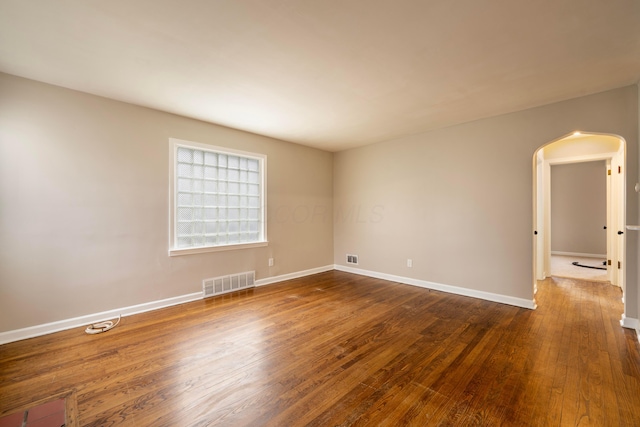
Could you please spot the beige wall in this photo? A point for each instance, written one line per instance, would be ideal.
(458, 201)
(84, 205)
(631, 188)
(579, 207)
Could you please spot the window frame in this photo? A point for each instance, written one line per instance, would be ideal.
(174, 144)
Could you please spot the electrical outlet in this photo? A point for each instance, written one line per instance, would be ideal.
(409, 262)
(270, 262)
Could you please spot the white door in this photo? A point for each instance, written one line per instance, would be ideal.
(618, 232)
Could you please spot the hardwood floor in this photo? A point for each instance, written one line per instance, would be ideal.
(341, 349)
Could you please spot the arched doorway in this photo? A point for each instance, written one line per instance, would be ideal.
(575, 148)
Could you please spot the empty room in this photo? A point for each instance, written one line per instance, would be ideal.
(319, 213)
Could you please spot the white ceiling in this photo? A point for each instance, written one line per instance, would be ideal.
(332, 74)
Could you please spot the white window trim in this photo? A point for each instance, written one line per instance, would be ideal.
(173, 149)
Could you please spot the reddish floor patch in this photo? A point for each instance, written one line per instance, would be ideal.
(49, 414)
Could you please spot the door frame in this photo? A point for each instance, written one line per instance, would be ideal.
(616, 207)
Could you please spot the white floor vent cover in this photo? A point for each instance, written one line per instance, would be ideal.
(224, 284)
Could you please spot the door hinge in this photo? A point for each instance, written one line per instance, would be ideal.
(608, 262)
(619, 265)
(609, 172)
(619, 169)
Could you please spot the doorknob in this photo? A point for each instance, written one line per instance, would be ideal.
(620, 232)
(535, 232)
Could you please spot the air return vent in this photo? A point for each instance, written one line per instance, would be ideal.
(224, 284)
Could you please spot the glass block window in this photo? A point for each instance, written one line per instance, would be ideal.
(218, 197)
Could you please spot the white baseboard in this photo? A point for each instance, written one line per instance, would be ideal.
(631, 323)
(61, 325)
(578, 254)
(48, 328)
(504, 299)
(289, 276)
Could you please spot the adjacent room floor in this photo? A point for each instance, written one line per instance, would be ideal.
(562, 266)
(342, 349)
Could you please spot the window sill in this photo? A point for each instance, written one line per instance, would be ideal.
(192, 251)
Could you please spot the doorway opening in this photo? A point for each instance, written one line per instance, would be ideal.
(580, 151)
(578, 205)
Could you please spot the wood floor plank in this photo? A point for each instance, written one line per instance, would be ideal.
(338, 349)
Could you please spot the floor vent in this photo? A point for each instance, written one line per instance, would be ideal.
(224, 284)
